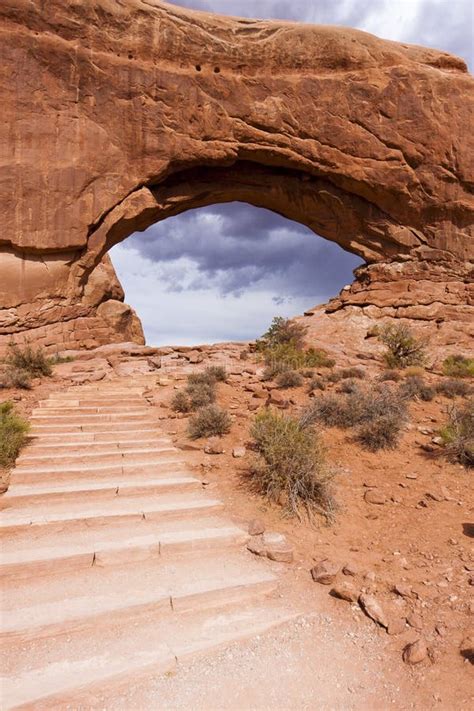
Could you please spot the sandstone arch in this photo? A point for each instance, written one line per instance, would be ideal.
(118, 113)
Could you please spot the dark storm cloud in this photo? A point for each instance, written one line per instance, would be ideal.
(235, 246)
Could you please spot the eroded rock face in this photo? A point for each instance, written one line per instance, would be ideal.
(117, 115)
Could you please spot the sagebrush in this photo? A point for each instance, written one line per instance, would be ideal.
(458, 434)
(453, 387)
(209, 421)
(458, 366)
(291, 468)
(289, 379)
(13, 433)
(414, 387)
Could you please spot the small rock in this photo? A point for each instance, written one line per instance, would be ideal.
(255, 545)
(373, 496)
(373, 609)
(415, 652)
(275, 397)
(277, 547)
(350, 569)
(435, 495)
(239, 452)
(256, 527)
(403, 590)
(397, 626)
(412, 476)
(325, 572)
(415, 621)
(345, 591)
(437, 440)
(214, 446)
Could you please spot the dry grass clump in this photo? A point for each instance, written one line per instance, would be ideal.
(209, 421)
(200, 394)
(348, 386)
(13, 434)
(415, 388)
(317, 384)
(458, 366)
(181, 402)
(389, 375)
(453, 387)
(210, 376)
(289, 379)
(403, 348)
(458, 434)
(377, 411)
(200, 389)
(352, 373)
(22, 364)
(291, 468)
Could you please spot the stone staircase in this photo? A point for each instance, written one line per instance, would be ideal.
(115, 563)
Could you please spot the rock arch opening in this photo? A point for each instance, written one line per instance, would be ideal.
(221, 273)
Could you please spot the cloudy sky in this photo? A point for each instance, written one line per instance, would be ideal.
(222, 272)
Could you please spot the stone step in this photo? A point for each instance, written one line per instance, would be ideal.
(126, 418)
(40, 494)
(106, 456)
(56, 554)
(120, 507)
(168, 466)
(88, 443)
(48, 436)
(47, 412)
(97, 427)
(99, 596)
(75, 675)
(91, 402)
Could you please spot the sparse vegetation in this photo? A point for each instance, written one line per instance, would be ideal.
(200, 394)
(414, 387)
(352, 373)
(57, 359)
(180, 402)
(291, 469)
(458, 366)
(348, 386)
(458, 434)
(453, 387)
(289, 379)
(361, 408)
(13, 434)
(14, 378)
(317, 384)
(403, 347)
(29, 359)
(210, 376)
(282, 331)
(389, 375)
(209, 421)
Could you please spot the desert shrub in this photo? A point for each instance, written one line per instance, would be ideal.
(286, 357)
(453, 387)
(209, 421)
(360, 408)
(29, 359)
(389, 375)
(180, 402)
(458, 434)
(291, 468)
(289, 379)
(353, 373)
(458, 366)
(15, 378)
(403, 348)
(317, 384)
(200, 394)
(57, 359)
(413, 370)
(348, 386)
(415, 387)
(216, 372)
(334, 377)
(317, 358)
(282, 331)
(307, 373)
(381, 433)
(13, 433)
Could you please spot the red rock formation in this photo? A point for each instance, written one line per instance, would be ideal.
(120, 114)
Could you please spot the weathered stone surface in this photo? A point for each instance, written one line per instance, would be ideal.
(118, 115)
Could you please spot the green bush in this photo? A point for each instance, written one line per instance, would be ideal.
(28, 359)
(209, 421)
(458, 434)
(403, 348)
(415, 387)
(291, 468)
(453, 388)
(359, 408)
(458, 366)
(289, 379)
(282, 331)
(13, 434)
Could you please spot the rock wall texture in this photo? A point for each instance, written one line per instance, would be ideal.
(120, 113)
